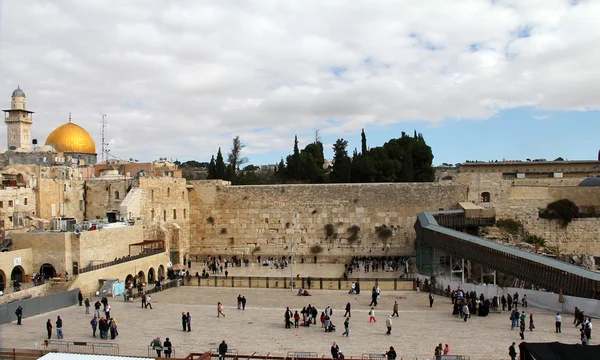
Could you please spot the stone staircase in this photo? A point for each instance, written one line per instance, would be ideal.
(58, 286)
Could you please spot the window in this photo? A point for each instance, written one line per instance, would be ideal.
(1, 204)
(168, 192)
(184, 214)
(116, 195)
(164, 215)
(174, 214)
(152, 195)
(485, 197)
(152, 214)
(25, 201)
(10, 203)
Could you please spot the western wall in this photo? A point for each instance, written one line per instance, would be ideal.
(264, 220)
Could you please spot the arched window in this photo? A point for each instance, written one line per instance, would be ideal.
(116, 195)
(168, 192)
(485, 197)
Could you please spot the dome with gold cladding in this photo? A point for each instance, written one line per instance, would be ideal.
(71, 138)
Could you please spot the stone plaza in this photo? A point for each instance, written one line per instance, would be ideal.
(260, 327)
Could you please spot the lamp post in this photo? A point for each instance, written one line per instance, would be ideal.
(292, 265)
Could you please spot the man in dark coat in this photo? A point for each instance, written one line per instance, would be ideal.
(184, 321)
(49, 328)
(80, 298)
(19, 313)
(243, 302)
(373, 297)
(188, 319)
(335, 349)
(222, 350)
(287, 316)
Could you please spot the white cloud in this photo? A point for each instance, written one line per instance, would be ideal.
(541, 117)
(179, 79)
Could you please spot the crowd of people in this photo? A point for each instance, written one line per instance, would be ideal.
(375, 264)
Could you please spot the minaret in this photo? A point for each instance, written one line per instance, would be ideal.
(18, 122)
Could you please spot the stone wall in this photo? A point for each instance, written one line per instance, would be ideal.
(104, 195)
(105, 245)
(48, 247)
(165, 211)
(35, 291)
(60, 197)
(263, 220)
(7, 263)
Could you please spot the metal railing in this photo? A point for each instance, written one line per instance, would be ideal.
(152, 352)
(120, 261)
(81, 347)
(151, 289)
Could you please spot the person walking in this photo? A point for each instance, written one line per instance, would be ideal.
(395, 309)
(148, 302)
(94, 324)
(558, 323)
(287, 316)
(80, 298)
(49, 328)
(157, 345)
(373, 297)
(391, 353)
(335, 349)
(143, 298)
(531, 325)
(522, 330)
(220, 310)
(348, 307)
(466, 313)
(184, 321)
(372, 315)
(430, 299)
(19, 313)
(239, 302)
(59, 324)
(512, 352)
(346, 327)
(188, 319)
(222, 350)
(167, 347)
(388, 323)
(87, 305)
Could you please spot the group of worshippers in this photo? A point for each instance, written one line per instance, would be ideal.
(374, 264)
(105, 324)
(467, 303)
(586, 326)
(307, 316)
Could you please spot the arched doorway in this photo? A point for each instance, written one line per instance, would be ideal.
(161, 272)
(47, 271)
(151, 277)
(141, 277)
(17, 274)
(485, 197)
(129, 281)
(2, 280)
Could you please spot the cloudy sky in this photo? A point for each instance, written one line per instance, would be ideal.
(481, 79)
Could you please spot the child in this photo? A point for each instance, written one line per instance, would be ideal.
(372, 315)
(220, 310)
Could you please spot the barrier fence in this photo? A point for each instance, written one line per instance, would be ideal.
(38, 305)
(385, 284)
(81, 347)
(152, 352)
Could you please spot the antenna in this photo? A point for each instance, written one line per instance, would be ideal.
(104, 143)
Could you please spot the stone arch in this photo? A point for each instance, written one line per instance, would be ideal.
(47, 271)
(151, 275)
(141, 276)
(17, 273)
(3, 280)
(161, 272)
(486, 197)
(129, 281)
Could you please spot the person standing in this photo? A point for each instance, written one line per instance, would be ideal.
(19, 313)
(466, 313)
(167, 347)
(348, 307)
(239, 302)
(583, 337)
(80, 298)
(522, 330)
(94, 324)
(157, 345)
(558, 323)
(296, 319)
(524, 301)
(143, 301)
(346, 327)
(430, 299)
(438, 351)
(220, 310)
(97, 309)
(372, 315)
(59, 324)
(286, 316)
(222, 350)
(446, 350)
(503, 300)
(388, 323)
(512, 352)
(87, 305)
(184, 321)
(373, 297)
(49, 328)
(391, 353)
(189, 322)
(107, 311)
(335, 349)
(531, 325)
(243, 302)
(395, 309)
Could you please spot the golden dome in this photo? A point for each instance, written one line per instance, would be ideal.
(71, 138)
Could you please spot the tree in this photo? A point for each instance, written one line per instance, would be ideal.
(294, 163)
(340, 172)
(363, 142)
(212, 168)
(219, 166)
(312, 160)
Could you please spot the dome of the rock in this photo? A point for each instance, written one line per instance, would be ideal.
(71, 138)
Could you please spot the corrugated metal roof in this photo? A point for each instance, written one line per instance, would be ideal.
(428, 221)
(69, 356)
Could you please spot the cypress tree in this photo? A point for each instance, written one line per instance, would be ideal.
(220, 166)
(363, 142)
(211, 168)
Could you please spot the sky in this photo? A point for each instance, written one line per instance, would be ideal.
(480, 79)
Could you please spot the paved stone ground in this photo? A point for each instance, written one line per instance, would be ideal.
(260, 327)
